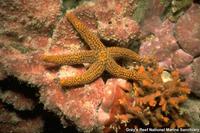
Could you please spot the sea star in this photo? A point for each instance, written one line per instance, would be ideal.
(100, 57)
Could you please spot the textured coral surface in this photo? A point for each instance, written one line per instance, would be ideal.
(11, 121)
(175, 45)
(30, 28)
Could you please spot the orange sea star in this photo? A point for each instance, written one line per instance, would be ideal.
(100, 57)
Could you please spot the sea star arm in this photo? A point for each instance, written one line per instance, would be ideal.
(116, 52)
(118, 71)
(71, 59)
(90, 38)
(93, 72)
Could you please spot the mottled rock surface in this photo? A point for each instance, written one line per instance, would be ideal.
(188, 31)
(181, 59)
(195, 78)
(12, 122)
(175, 45)
(19, 101)
(30, 28)
(192, 107)
(161, 44)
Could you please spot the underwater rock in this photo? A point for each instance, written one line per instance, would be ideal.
(195, 77)
(192, 107)
(18, 100)
(181, 59)
(187, 31)
(11, 121)
(25, 24)
(115, 23)
(175, 8)
(2, 74)
(16, 14)
(27, 31)
(112, 22)
(163, 44)
(18, 94)
(78, 104)
(154, 8)
(112, 92)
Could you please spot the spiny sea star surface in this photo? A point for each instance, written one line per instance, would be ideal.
(100, 57)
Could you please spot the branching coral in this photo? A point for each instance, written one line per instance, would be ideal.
(155, 105)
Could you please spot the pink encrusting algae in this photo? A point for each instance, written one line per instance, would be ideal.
(28, 29)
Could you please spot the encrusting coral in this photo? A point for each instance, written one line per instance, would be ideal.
(150, 105)
(17, 94)
(15, 122)
(102, 58)
(175, 45)
(88, 107)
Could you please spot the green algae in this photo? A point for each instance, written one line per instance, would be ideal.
(21, 48)
(140, 11)
(174, 8)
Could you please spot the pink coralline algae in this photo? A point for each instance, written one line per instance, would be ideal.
(30, 28)
(77, 104)
(19, 101)
(176, 46)
(25, 34)
(112, 22)
(112, 90)
(11, 121)
(187, 31)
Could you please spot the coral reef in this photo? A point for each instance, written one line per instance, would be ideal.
(174, 51)
(114, 23)
(11, 121)
(78, 104)
(17, 100)
(175, 8)
(2, 74)
(189, 40)
(18, 95)
(151, 105)
(192, 107)
(194, 78)
(28, 29)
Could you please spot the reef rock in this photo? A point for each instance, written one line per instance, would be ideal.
(188, 31)
(26, 31)
(30, 28)
(181, 59)
(11, 121)
(17, 94)
(195, 78)
(192, 108)
(112, 22)
(162, 44)
(175, 51)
